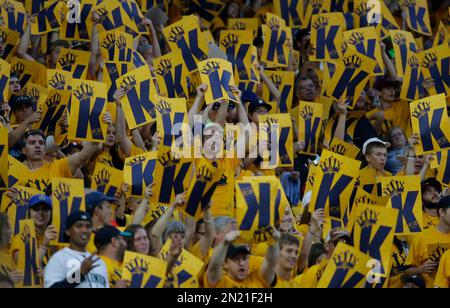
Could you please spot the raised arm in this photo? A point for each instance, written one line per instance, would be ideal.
(155, 42)
(124, 142)
(22, 49)
(16, 135)
(195, 109)
(313, 236)
(214, 273)
(144, 207)
(270, 259)
(94, 48)
(390, 68)
(80, 158)
(269, 83)
(210, 232)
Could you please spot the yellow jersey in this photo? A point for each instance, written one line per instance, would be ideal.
(254, 280)
(312, 275)
(223, 198)
(443, 274)
(7, 264)
(41, 178)
(114, 269)
(418, 253)
(368, 180)
(429, 221)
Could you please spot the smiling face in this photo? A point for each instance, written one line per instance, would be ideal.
(80, 233)
(41, 215)
(288, 256)
(141, 242)
(34, 148)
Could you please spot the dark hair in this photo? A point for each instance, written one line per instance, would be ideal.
(6, 279)
(442, 208)
(288, 239)
(4, 222)
(130, 240)
(373, 145)
(56, 44)
(33, 132)
(316, 251)
(13, 75)
(198, 224)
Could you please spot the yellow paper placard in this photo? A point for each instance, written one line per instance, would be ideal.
(74, 61)
(327, 36)
(52, 110)
(347, 268)
(249, 24)
(202, 188)
(17, 208)
(366, 42)
(429, 120)
(106, 179)
(143, 272)
(185, 272)
(18, 174)
(87, 108)
(405, 195)
(5, 68)
(111, 72)
(138, 172)
(237, 44)
(291, 11)
(138, 103)
(275, 52)
(38, 93)
(284, 81)
(217, 74)
(3, 158)
(402, 41)
(48, 19)
(59, 79)
(341, 147)
(171, 75)
(413, 78)
(13, 15)
(351, 76)
(111, 15)
(258, 207)
(79, 31)
(435, 65)
(282, 124)
(333, 184)
(23, 69)
(418, 16)
(309, 125)
(444, 168)
(442, 36)
(67, 198)
(373, 233)
(388, 22)
(11, 41)
(184, 37)
(28, 260)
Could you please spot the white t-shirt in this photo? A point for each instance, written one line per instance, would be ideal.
(66, 263)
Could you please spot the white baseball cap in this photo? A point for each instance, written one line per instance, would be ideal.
(374, 140)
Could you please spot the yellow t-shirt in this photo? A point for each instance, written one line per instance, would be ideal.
(312, 275)
(443, 273)
(429, 221)
(418, 253)
(91, 246)
(114, 269)
(254, 280)
(7, 264)
(223, 198)
(41, 178)
(288, 284)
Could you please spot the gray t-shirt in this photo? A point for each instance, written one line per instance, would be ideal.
(66, 263)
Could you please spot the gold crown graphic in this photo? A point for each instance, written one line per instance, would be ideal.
(394, 188)
(345, 260)
(331, 165)
(421, 110)
(367, 218)
(84, 92)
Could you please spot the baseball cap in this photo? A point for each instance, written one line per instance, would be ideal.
(415, 279)
(105, 234)
(337, 234)
(235, 250)
(95, 198)
(444, 203)
(254, 100)
(71, 147)
(40, 199)
(433, 183)
(76, 217)
(374, 140)
(20, 100)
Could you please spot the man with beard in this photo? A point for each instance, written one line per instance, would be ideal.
(431, 189)
(74, 266)
(111, 245)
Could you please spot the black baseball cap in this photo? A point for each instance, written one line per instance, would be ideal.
(235, 250)
(415, 279)
(254, 101)
(76, 217)
(106, 234)
(17, 101)
(433, 183)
